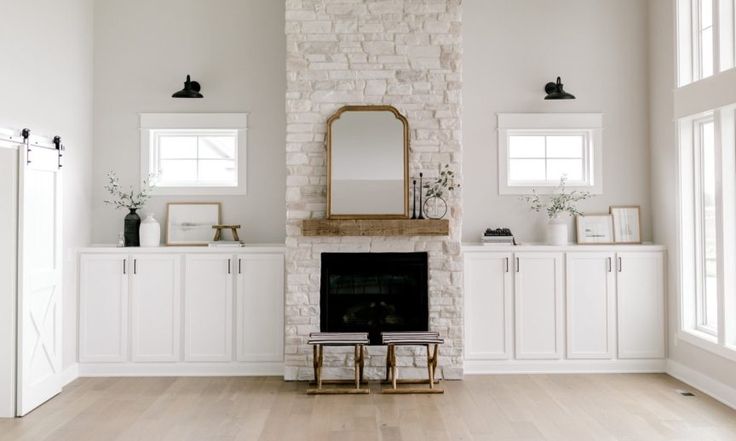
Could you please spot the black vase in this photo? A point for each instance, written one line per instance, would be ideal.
(132, 225)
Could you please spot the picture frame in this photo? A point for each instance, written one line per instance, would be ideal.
(190, 223)
(595, 229)
(626, 223)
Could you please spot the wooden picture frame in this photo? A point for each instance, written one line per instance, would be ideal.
(190, 223)
(626, 223)
(594, 229)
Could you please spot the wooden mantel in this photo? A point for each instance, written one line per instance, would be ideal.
(376, 227)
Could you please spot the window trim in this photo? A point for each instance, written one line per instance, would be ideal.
(699, 224)
(149, 122)
(723, 343)
(550, 124)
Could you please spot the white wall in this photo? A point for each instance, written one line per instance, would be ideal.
(47, 86)
(511, 50)
(664, 183)
(236, 50)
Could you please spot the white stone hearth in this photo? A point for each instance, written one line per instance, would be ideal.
(405, 53)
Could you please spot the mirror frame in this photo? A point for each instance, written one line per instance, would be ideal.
(367, 108)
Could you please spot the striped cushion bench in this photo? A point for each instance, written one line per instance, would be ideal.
(427, 338)
(321, 339)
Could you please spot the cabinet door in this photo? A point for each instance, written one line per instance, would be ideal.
(640, 292)
(488, 306)
(208, 307)
(538, 305)
(591, 305)
(260, 308)
(103, 308)
(155, 307)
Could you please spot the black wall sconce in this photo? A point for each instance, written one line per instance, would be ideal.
(191, 90)
(555, 91)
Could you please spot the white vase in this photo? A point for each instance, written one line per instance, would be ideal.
(556, 232)
(150, 232)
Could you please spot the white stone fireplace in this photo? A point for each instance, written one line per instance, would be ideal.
(404, 53)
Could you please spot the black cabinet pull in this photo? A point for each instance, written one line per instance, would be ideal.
(135, 266)
(518, 265)
(125, 270)
(507, 264)
(228, 266)
(610, 266)
(620, 265)
(240, 266)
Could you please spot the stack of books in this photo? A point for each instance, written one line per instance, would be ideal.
(499, 236)
(225, 244)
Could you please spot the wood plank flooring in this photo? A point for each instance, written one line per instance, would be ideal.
(503, 408)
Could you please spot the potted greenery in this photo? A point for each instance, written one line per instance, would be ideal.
(131, 200)
(555, 205)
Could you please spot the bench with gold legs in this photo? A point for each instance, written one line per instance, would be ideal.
(319, 340)
(430, 340)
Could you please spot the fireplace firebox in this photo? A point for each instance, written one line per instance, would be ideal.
(374, 293)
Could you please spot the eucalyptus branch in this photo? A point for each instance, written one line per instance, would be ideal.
(558, 203)
(127, 198)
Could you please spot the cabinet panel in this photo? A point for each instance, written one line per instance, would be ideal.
(488, 306)
(591, 307)
(640, 286)
(103, 308)
(538, 305)
(155, 307)
(208, 308)
(260, 308)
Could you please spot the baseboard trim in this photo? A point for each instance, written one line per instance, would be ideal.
(180, 369)
(720, 391)
(484, 367)
(69, 374)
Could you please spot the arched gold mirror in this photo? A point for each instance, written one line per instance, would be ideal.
(367, 163)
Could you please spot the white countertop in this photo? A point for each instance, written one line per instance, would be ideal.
(474, 247)
(248, 248)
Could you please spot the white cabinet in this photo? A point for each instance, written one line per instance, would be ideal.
(208, 307)
(573, 308)
(103, 308)
(591, 305)
(155, 307)
(260, 308)
(488, 312)
(640, 282)
(538, 295)
(172, 311)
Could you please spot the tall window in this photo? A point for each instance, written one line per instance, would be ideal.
(706, 233)
(704, 36)
(706, 42)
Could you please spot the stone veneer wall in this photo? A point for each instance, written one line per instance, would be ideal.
(406, 53)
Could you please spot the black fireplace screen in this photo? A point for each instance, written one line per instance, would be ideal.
(374, 292)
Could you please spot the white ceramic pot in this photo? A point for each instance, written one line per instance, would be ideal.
(556, 232)
(150, 232)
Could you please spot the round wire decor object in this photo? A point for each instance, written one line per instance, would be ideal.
(435, 207)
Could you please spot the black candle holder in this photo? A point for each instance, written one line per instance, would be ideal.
(414, 201)
(421, 179)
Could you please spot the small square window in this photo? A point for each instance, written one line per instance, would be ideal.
(194, 158)
(538, 150)
(180, 157)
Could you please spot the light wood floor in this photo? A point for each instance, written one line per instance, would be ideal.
(518, 407)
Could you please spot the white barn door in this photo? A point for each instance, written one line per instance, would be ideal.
(39, 290)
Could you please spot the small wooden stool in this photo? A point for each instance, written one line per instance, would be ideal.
(218, 231)
(321, 339)
(427, 339)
